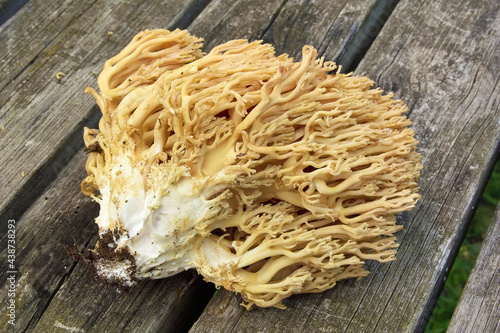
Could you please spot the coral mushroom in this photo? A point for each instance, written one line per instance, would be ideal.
(269, 177)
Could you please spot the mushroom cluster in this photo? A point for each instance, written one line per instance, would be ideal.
(269, 177)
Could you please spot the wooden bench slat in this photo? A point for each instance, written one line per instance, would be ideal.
(241, 19)
(329, 26)
(25, 43)
(24, 37)
(479, 304)
(38, 112)
(41, 261)
(431, 55)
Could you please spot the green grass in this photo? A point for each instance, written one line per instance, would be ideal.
(467, 255)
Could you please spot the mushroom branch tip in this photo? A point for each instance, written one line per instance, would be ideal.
(268, 176)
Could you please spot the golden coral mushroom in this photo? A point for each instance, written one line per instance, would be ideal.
(269, 177)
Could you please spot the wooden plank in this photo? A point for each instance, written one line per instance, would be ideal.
(35, 106)
(40, 259)
(289, 25)
(477, 309)
(451, 84)
(22, 40)
(366, 34)
(222, 21)
(23, 37)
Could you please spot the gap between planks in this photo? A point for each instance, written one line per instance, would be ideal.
(9, 8)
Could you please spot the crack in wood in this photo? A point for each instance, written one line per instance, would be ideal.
(189, 14)
(273, 19)
(43, 50)
(34, 320)
(366, 34)
(9, 8)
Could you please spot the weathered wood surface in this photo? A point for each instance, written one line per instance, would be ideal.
(54, 293)
(478, 308)
(442, 58)
(288, 25)
(450, 82)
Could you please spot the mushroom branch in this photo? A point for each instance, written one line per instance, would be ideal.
(270, 177)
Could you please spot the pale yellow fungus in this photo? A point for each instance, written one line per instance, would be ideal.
(269, 177)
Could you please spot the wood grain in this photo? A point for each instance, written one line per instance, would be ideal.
(222, 21)
(477, 309)
(41, 261)
(450, 82)
(288, 24)
(451, 85)
(24, 38)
